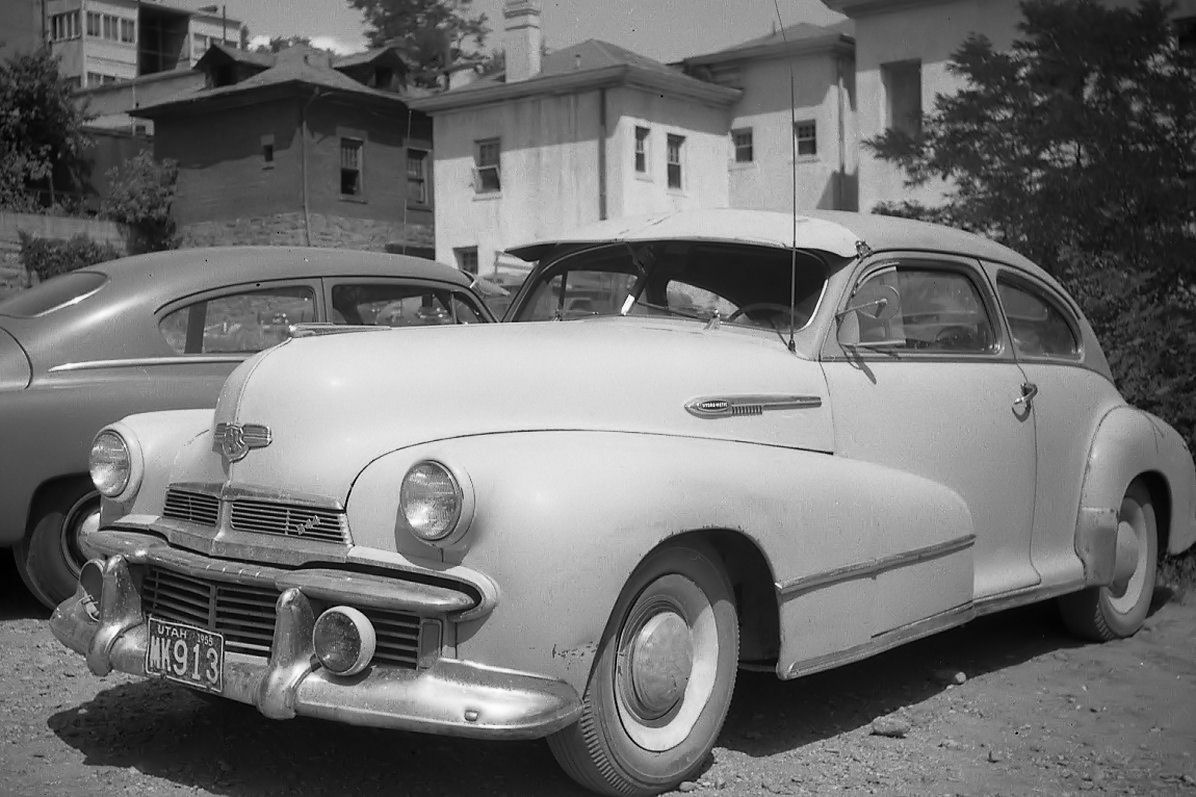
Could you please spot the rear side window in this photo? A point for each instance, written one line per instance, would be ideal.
(240, 322)
(1038, 326)
(53, 294)
(393, 305)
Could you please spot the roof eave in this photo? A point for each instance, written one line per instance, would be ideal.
(203, 101)
(571, 82)
(835, 43)
(858, 8)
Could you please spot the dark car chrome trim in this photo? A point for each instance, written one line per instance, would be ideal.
(734, 406)
(796, 586)
(139, 362)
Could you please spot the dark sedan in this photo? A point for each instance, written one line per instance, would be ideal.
(157, 332)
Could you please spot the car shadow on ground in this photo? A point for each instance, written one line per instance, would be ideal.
(16, 603)
(222, 747)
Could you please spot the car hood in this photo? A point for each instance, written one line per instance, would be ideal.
(335, 403)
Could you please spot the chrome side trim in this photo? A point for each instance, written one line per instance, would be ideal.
(882, 642)
(731, 406)
(797, 586)
(141, 362)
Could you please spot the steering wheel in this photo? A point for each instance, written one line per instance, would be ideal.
(747, 309)
(957, 338)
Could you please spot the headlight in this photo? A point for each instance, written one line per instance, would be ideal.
(431, 501)
(110, 464)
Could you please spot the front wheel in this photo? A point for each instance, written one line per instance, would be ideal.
(1118, 610)
(49, 557)
(663, 679)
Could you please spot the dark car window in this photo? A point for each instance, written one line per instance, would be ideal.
(938, 311)
(1038, 327)
(61, 291)
(239, 322)
(396, 305)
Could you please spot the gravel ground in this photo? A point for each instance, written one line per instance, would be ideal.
(1007, 705)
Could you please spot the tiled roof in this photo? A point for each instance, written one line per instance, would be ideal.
(795, 33)
(596, 54)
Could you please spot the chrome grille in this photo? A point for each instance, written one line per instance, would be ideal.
(288, 520)
(192, 506)
(245, 615)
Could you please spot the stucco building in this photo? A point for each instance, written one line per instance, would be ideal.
(902, 48)
(299, 148)
(784, 156)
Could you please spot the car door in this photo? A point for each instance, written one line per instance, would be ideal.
(935, 391)
(1069, 401)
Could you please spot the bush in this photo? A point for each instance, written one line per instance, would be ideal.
(48, 257)
(140, 197)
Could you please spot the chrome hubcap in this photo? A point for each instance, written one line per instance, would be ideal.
(661, 659)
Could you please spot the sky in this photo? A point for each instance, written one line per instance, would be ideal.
(666, 30)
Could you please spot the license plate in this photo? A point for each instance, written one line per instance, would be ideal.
(184, 653)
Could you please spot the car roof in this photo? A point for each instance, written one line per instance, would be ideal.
(841, 233)
(200, 269)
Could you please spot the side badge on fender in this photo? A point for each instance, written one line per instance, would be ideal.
(732, 406)
(234, 440)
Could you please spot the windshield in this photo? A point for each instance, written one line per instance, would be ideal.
(742, 284)
(55, 293)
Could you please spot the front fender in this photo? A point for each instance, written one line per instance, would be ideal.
(1129, 443)
(562, 519)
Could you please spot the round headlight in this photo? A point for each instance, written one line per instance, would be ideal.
(430, 500)
(110, 464)
(344, 640)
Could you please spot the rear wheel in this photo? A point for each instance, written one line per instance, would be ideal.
(663, 679)
(49, 557)
(1119, 609)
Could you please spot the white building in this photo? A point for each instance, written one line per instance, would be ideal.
(589, 132)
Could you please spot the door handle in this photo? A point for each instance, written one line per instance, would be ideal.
(1029, 391)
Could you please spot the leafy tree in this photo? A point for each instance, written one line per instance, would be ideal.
(434, 33)
(49, 257)
(140, 195)
(42, 144)
(279, 43)
(1077, 147)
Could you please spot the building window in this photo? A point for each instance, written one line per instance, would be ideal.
(417, 176)
(487, 177)
(903, 95)
(467, 259)
(267, 151)
(351, 166)
(128, 31)
(1185, 34)
(806, 135)
(742, 141)
(199, 45)
(673, 157)
(93, 23)
(641, 150)
(65, 26)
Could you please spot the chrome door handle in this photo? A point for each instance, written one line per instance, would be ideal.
(1029, 391)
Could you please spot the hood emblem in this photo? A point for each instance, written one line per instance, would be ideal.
(734, 406)
(234, 440)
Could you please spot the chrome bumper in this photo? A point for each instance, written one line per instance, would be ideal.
(448, 697)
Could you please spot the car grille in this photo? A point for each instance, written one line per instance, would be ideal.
(259, 516)
(245, 615)
(188, 505)
(288, 520)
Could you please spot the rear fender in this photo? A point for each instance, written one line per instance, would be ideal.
(1130, 443)
(561, 519)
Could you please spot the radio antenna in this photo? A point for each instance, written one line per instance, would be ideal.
(793, 174)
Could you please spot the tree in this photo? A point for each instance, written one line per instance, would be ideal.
(433, 33)
(1077, 147)
(42, 143)
(139, 196)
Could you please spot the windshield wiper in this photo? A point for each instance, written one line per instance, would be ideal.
(671, 310)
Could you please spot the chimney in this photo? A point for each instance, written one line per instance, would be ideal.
(522, 39)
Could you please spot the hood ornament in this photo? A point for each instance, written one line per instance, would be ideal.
(234, 440)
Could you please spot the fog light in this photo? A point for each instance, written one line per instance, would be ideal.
(91, 580)
(344, 640)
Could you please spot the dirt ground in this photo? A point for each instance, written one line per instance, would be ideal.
(1037, 713)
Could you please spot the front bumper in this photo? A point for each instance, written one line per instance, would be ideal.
(446, 697)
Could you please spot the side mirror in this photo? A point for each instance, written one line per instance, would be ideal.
(873, 304)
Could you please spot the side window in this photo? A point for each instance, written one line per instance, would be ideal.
(238, 323)
(937, 310)
(400, 306)
(1039, 328)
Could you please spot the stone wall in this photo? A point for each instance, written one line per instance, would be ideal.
(59, 228)
(287, 229)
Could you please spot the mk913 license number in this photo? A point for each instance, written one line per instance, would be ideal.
(184, 653)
